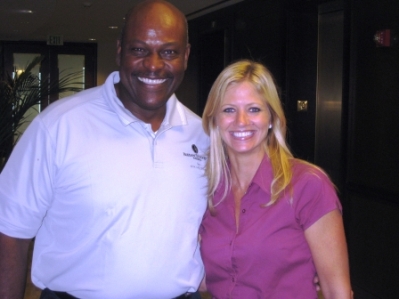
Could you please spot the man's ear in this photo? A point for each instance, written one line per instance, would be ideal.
(118, 52)
(186, 55)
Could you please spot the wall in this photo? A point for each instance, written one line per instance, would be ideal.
(106, 58)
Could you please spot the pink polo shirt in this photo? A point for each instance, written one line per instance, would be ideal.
(269, 256)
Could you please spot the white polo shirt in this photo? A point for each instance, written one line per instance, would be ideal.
(114, 207)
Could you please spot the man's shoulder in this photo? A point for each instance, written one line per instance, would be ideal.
(194, 125)
(191, 115)
(72, 103)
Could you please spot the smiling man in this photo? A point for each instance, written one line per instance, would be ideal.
(152, 57)
(110, 182)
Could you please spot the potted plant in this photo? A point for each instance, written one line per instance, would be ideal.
(21, 92)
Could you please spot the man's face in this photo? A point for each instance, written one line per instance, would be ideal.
(152, 60)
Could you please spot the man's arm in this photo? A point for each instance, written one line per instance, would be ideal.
(13, 266)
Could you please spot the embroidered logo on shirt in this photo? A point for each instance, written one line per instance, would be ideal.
(195, 156)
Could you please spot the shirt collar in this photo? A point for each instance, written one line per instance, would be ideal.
(264, 175)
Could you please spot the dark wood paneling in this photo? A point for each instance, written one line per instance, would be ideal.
(374, 246)
(252, 29)
(259, 34)
(301, 66)
(374, 149)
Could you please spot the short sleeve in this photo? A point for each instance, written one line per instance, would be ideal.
(314, 196)
(25, 183)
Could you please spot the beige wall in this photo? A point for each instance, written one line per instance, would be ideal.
(106, 53)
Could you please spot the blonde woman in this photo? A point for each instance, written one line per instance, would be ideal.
(273, 221)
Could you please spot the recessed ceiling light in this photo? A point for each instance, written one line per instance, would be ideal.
(113, 27)
(92, 39)
(87, 3)
(25, 11)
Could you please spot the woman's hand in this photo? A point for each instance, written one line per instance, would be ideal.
(202, 287)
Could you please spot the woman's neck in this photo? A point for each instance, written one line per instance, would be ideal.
(243, 169)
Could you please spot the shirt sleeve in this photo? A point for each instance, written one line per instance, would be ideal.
(314, 196)
(26, 184)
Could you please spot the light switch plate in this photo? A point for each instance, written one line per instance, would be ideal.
(302, 106)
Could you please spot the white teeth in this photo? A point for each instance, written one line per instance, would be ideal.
(242, 134)
(151, 81)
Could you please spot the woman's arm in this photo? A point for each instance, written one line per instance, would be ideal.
(326, 239)
(202, 286)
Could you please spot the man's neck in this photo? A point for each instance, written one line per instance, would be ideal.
(153, 117)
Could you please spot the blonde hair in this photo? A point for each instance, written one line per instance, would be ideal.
(275, 146)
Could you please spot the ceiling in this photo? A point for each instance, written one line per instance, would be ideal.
(80, 20)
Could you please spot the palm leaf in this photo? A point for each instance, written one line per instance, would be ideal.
(24, 91)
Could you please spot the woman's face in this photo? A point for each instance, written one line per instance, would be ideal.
(243, 120)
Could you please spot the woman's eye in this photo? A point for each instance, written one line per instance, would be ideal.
(254, 109)
(228, 110)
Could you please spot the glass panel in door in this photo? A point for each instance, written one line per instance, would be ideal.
(72, 64)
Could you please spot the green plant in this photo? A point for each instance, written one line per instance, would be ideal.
(21, 92)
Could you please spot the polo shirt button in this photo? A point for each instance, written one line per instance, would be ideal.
(244, 210)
